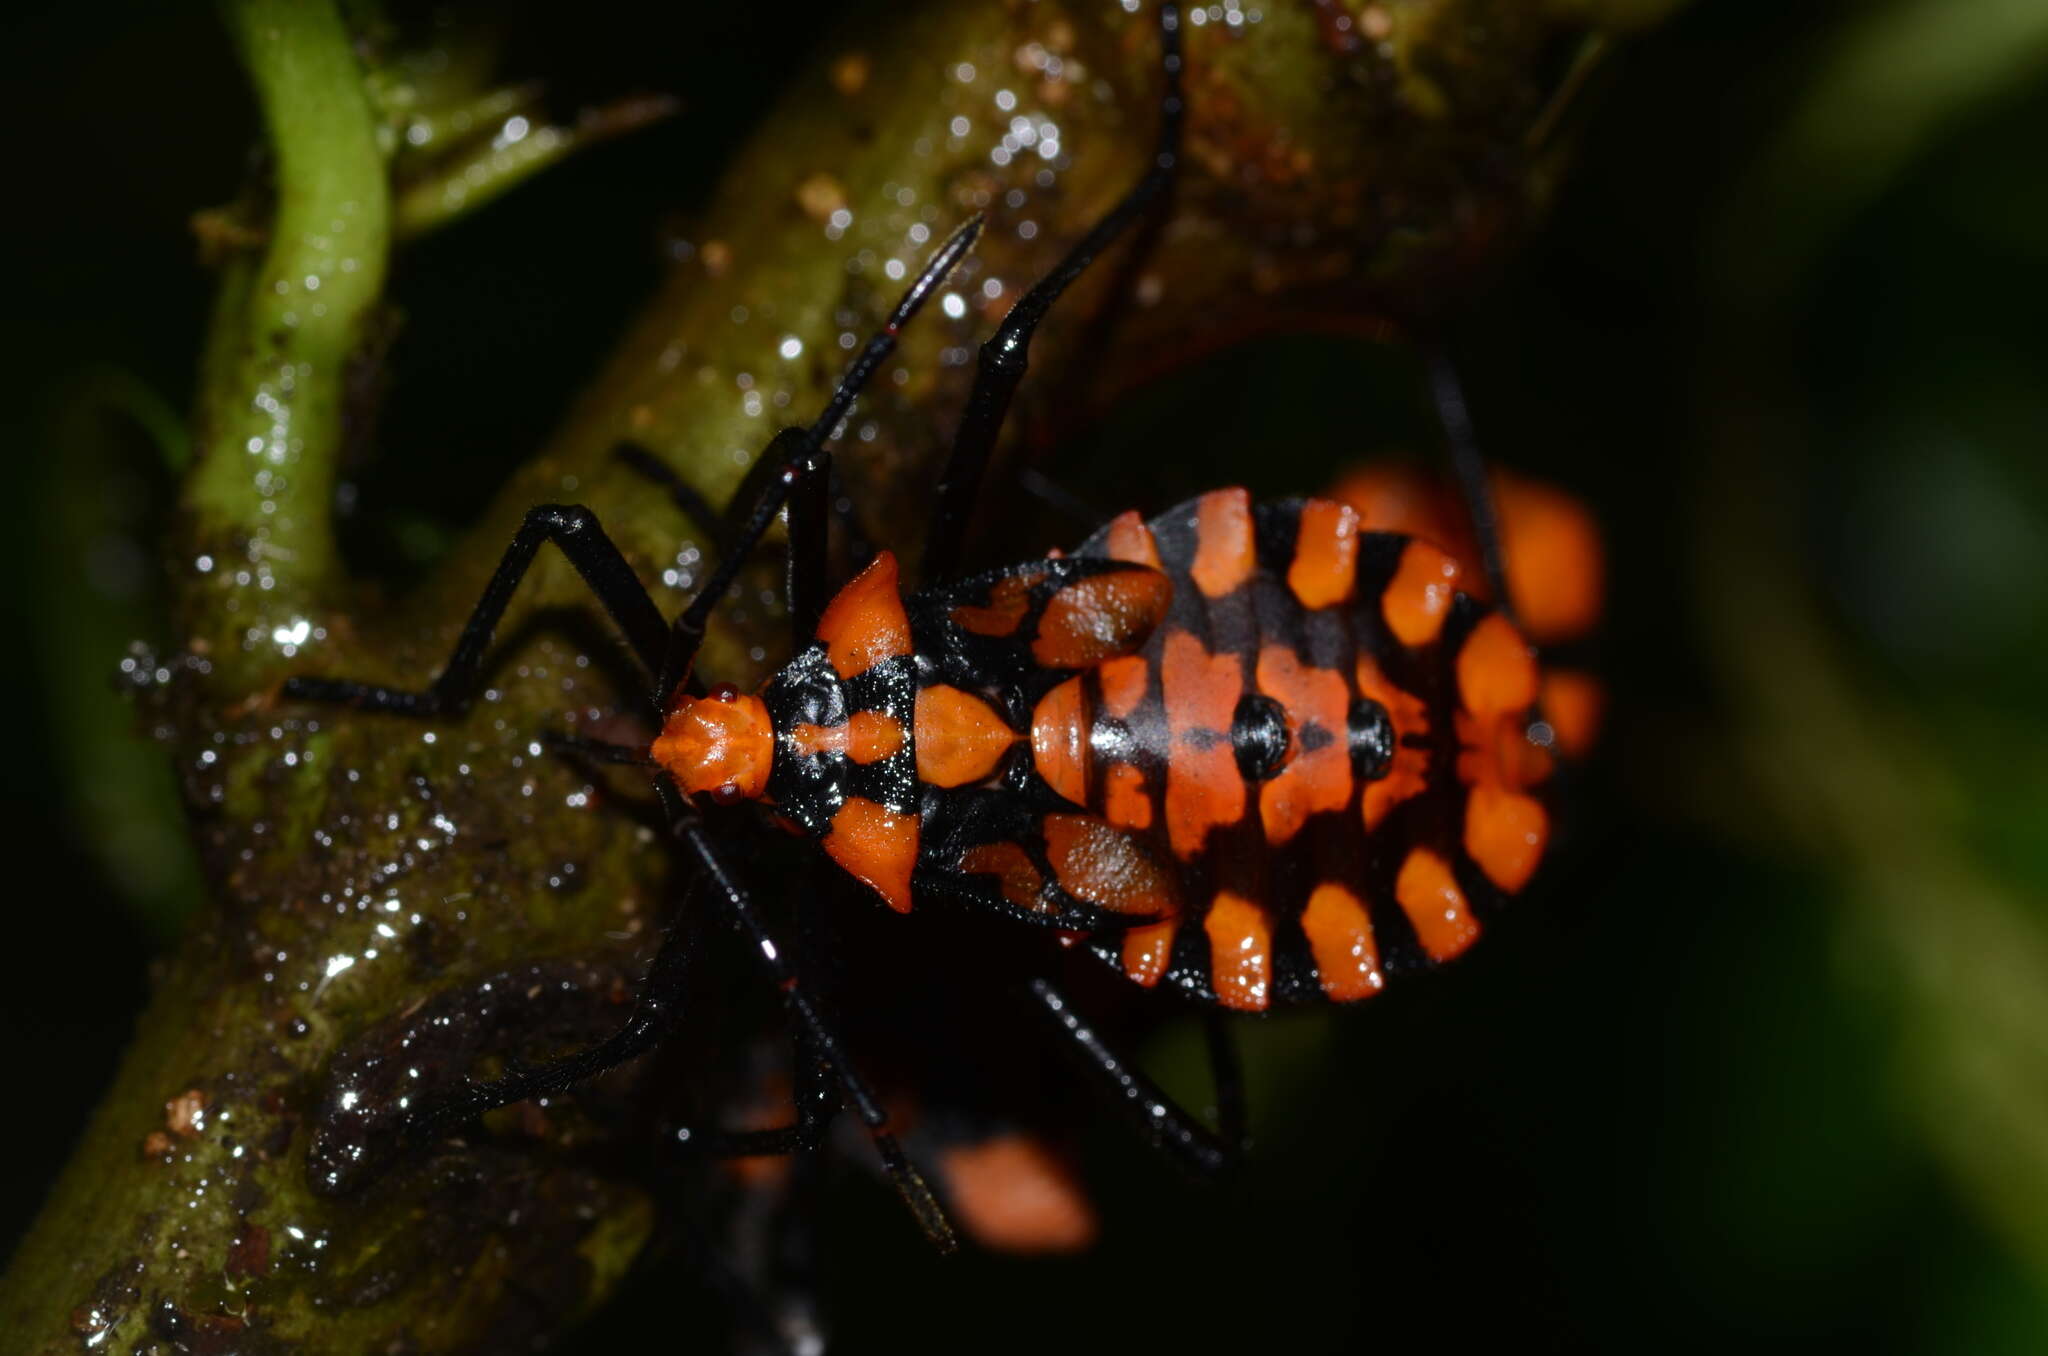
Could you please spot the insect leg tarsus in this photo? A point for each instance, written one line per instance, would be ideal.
(809, 508)
(582, 539)
(1006, 355)
(1163, 1122)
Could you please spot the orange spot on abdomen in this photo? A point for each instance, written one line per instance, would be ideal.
(1553, 558)
(1496, 669)
(1418, 597)
(1505, 832)
(1130, 540)
(1436, 908)
(1126, 802)
(1395, 497)
(1571, 701)
(1223, 542)
(1146, 950)
(1203, 785)
(1340, 938)
(1325, 568)
(1408, 774)
(1315, 779)
(1240, 953)
(1123, 683)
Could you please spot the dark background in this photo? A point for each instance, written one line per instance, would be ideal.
(1683, 1102)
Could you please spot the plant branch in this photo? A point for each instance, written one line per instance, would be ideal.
(286, 330)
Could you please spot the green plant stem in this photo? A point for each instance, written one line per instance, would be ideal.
(271, 413)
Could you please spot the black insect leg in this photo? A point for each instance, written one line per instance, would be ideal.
(1226, 1068)
(811, 1086)
(902, 1174)
(581, 538)
(813, 1093)
(1007, 353)
(1164, 1123)
(796, 457)
(809, 507)
(1456, 417)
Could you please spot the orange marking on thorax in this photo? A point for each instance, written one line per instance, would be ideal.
(1107, 868)
(1125, 801)
(1418, 597)
(1124, 680)
(1146, 951)
(1203, 786)
(1011, 1194)
(1240, 953)
(1008, 600)
(867, 737)
(1100, 617)
(1223, 542)
(1340, 938)
(960, 738)
(1325, 568)
(1408, 774)
(1059, 740)
(1435, 906)
(877, 847)
(810, 741)
(865, 623)
(1313, 780)
(1020, 880)
(1130, 540)
(873, 736)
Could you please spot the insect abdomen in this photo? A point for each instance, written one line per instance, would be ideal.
(1323, 736)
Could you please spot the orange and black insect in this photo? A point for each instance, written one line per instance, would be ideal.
(1249, 753)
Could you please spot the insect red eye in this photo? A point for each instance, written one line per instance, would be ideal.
(724, 692)
(728, 794)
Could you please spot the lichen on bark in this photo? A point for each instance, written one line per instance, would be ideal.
(1353, 165)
